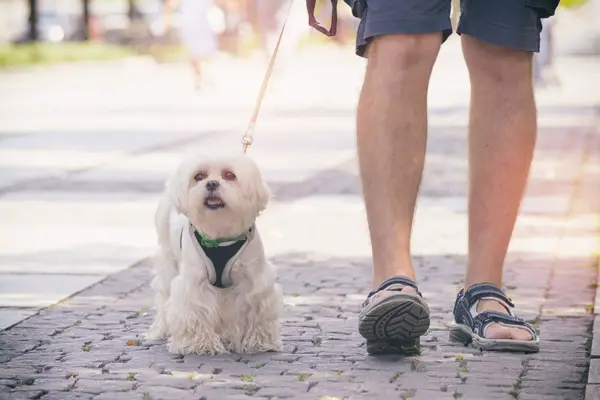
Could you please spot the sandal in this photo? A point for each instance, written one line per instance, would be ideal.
(391, 320)
(469, 326)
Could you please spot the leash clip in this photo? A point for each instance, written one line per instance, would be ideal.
(248, 138)
(246, 141)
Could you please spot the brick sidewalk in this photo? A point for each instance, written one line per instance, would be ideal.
(79, 348)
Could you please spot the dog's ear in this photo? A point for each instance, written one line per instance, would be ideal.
(256, 191)
(262, 193)
(177, 188)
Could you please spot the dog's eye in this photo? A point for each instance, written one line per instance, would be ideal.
(200, 176)
(229, 176)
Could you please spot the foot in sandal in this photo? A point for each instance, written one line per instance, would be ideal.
(483, 317)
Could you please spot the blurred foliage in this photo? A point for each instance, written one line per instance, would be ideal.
(163, 52)
(44, 53)
(571, 3)
(14, 55)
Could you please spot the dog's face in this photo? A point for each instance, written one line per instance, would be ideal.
(221, 196)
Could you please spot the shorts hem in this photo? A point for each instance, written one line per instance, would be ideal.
(373, 27)
(525, 39)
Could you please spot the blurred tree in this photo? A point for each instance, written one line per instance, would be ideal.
(138, 27)
(133, 12)
(86, 19)
(33, 20)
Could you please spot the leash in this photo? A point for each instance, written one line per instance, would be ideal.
(248, 137)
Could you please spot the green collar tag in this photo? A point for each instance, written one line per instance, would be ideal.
(214, 243)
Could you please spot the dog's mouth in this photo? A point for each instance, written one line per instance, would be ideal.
(213, 202)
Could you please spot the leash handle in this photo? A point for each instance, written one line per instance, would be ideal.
(248, 137)
(312, 21)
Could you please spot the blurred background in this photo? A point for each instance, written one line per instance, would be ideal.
(241, 26)
(99, 99)
(150, 27)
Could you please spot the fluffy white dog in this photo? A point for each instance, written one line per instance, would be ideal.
(215, 290)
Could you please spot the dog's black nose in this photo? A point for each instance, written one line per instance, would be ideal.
(212, 185)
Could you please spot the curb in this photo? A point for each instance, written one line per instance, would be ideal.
(592, 389)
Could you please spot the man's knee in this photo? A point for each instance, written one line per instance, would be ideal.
(401, 52)
(491, 64)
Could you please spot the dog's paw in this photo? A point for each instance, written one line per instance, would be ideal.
(256, 346)
(273, 347)
(154, 335)
(198, 346)
(156, 332)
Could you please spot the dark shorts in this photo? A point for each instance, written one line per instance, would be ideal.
(509, 23)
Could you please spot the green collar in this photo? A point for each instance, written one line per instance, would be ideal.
(214, 243)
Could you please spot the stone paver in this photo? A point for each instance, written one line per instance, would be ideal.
(91, 347)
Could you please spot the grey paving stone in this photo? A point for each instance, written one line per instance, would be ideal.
(98, 386)
(184, 383)
(22, 395)
(276, 393)
(165, 392)
(595, 351)
(70, 396)
(594, 372)
(119, 396)
(16, 373)
(592, 392)
(40, 384)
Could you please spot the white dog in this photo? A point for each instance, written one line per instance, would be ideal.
(216, 292)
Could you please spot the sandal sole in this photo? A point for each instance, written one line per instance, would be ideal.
(407, 348)
(464, 334)
(394, 325)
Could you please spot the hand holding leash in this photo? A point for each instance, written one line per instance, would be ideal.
(312, 21)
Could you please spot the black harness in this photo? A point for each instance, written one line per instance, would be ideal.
(218, 255)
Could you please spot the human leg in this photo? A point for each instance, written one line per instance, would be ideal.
(391, 141)
(498, 42)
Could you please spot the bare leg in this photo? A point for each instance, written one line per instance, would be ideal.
(502, 132)
(391, 139)
(196, 67)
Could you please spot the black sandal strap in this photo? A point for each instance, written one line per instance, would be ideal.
(395, 280)
(482, 290)
(467, 298)
(484, 319)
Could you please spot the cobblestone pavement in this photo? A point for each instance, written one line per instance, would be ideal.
(91, 345)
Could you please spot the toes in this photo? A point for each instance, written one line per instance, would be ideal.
(496, 331)
(409, 289)
(520, 334)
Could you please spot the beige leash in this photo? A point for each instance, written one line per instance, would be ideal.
(249, 135)
(310, 7)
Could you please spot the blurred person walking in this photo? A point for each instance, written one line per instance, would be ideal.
(197, 34)
(266, 20)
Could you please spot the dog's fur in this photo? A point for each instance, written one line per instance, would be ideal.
(194, 315)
